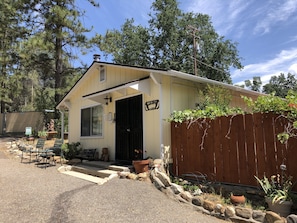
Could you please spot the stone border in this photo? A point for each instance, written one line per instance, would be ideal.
(158, 177)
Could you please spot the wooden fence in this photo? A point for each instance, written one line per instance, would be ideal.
(233, 149)
(16, 122)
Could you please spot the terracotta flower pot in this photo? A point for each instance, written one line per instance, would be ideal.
(237, 199)
(141, 166)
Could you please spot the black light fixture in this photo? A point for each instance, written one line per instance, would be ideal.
(107, 99)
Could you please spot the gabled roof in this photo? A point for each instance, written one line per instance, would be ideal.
(172, 73)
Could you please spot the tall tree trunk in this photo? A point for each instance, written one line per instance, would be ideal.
(59, 65)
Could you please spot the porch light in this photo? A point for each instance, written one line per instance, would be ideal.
(107, 100)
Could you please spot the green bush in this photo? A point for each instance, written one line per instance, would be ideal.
(70, 150)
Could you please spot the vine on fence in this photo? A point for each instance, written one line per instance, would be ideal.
(286, 108)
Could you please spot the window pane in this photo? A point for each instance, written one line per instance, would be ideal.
(97, 120)
(85, 121)
(102, 74)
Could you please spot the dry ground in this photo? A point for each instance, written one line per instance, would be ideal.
(32, 194)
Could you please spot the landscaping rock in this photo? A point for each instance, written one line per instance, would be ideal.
(158, 163)
(177, 189)
(160, 179)
(132, 176)
(198, 208)
(272, 217)
(237, 219)
(198, 201)
(258, 215)
(123, 174)
(186, 195)
(243, 212)
(230, 211)
(219, 209)
(292, 218)
(143, 175)
(208, 205)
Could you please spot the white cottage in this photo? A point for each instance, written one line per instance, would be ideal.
(124, 108)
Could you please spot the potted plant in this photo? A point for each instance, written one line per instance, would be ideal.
(140, 165)
(42, 134)
(277, 193)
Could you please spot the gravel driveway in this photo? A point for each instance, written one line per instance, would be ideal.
(31, 194)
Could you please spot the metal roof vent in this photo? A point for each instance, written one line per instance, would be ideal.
(96, 57)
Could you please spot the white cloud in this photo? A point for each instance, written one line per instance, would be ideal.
(293, 68)
(284, 62)
(274, 12)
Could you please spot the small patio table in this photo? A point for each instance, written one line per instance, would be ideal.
(46, 157)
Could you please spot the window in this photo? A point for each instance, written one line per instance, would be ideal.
(102, 74)
(91, 121)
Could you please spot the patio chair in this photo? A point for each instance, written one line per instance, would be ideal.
(38, 148)
(49, 154)
(29, 151)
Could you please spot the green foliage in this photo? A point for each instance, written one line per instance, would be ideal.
(214, 102)
(278, 188)
(42, 134)
(267, 103)
(70, 150)
(168, 43)
(210, 111)
(254, 85)
(286, 108)
(34, 52)
(281, 85)
(214, 95)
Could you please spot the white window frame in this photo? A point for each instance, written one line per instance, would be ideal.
(92, 123)
(102, 74)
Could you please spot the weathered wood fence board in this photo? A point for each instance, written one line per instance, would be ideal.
(234, 149)
(16, 122)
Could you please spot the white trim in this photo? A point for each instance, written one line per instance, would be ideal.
(157, 72)
(139, 85)
(197, 79)
(102, 68)
(103, 120)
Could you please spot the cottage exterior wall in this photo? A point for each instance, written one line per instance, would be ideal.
(173, 93)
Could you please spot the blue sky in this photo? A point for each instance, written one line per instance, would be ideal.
(266, 30)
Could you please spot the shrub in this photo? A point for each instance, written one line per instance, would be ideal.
(70, 150)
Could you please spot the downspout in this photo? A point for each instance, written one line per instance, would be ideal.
(62, 124)
(62, 132)
(161, 111)
(61, 109)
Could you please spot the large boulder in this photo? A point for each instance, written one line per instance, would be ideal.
(160, 179)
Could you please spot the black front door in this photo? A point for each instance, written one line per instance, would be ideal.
(129, 128)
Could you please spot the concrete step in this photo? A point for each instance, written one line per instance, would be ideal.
(120, 168)
(91, 170)
(86, 177)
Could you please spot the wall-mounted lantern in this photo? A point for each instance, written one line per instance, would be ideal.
(108, 99)
(152, 105)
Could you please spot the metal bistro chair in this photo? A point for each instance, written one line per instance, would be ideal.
(50, 153)
(38, 148)
(29, 151)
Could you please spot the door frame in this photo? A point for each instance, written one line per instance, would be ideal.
(126, 153)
